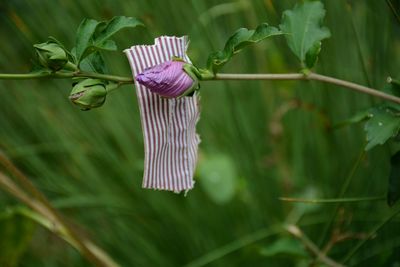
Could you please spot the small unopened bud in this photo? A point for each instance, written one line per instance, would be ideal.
(89, 93)
(51, 55)
(170, 79)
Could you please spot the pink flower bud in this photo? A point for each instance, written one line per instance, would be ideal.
(168, 79)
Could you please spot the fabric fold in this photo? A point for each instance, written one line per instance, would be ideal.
(169, 125)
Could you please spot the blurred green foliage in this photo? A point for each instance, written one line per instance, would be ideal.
(277, 135)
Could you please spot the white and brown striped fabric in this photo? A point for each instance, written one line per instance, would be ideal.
(169, 125)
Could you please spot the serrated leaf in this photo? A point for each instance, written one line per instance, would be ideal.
(303, 29)
(115, 25)
(93, 36)
(358, 117)
(383, 124)
(93, 63)
(84, 36)
(108, 45)
(393, 194)
(218, 177)
(239, 40)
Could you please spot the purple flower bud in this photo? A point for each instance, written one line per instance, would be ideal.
(168, 79)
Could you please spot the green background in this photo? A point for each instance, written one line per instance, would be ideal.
(260, 141)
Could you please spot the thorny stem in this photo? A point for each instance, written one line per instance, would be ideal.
(219, 76)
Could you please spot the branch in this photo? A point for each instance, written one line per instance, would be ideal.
(66, 75)
(332, 200)
(219, 76)
(310, 76)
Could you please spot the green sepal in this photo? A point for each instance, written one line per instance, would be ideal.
(89, 93)
(51, 55)
(191, 71)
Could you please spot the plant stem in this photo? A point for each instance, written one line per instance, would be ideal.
(113, 78)
(219, 76)
(259, 76)
(66, 75)
(310, 76)
(7, 76)
(332, 200)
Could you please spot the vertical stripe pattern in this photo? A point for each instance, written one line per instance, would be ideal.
(169, 125)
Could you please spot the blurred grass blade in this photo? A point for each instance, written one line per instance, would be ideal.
(393, 194)
(16, 234)
(63, 233)
(235, 245)
(372, 233)
(394, 7)
(284, 247)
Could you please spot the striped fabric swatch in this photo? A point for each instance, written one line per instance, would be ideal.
(169, 125)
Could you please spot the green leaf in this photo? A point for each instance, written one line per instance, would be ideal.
(93, 36)
(108, 45)
(303, 29)
(358, 117)
(94, 63)
(383, 124)
(284, 247)
(312, 55)
(392, 87)
(84, 36)
(218, 177)
(115, 25)
(239, 40)
(393, 193)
